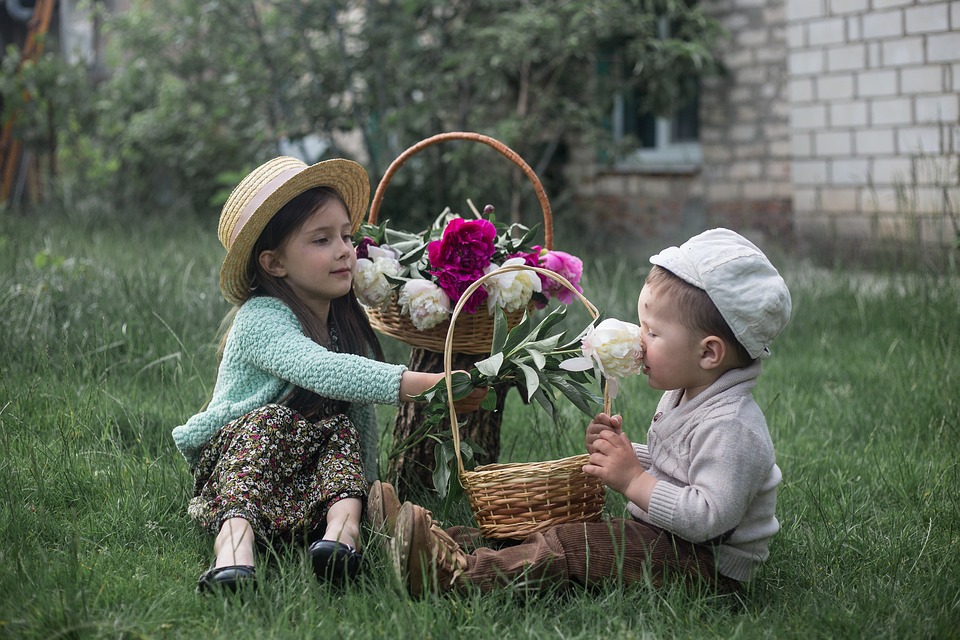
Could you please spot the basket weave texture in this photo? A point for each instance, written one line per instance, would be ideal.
(475, 334)
(513, 500)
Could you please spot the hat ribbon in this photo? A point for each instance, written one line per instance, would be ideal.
(265, 192)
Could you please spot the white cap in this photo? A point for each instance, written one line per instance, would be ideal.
(748, 291)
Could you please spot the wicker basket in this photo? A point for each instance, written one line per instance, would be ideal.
(513, 500)
(475, 333)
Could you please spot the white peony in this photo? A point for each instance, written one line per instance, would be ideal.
(614, 347)
(425, 303)
(383, 251)
(511, 290)
(371, 284)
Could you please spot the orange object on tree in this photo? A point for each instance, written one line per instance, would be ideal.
(10, 147)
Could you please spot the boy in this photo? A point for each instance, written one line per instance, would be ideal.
(701, 492)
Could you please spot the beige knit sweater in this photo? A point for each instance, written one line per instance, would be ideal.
(718, 476)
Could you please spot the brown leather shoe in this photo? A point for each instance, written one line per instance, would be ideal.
(425, 558)
(383, 506)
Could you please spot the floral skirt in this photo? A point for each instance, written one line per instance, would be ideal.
(279, 472)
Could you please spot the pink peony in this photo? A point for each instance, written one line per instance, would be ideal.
(568, 266)
(461, 256)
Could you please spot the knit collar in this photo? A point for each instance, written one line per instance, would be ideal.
(668, 406)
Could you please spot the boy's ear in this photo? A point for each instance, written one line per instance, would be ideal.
(270, 261)
(712, 352)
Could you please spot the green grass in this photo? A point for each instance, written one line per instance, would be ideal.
(108, 342)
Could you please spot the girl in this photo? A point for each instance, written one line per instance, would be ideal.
(287, 443)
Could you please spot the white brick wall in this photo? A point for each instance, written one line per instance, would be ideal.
(874, 94)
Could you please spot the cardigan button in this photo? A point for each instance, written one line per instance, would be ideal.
(657, 415)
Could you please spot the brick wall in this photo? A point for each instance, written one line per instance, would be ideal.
(745, 133)
(744, 181)
(839, 124)
(873, 119)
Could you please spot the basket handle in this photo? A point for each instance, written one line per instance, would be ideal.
(506, 151)
(448, 345)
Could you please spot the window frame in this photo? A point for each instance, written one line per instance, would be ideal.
(667, 155)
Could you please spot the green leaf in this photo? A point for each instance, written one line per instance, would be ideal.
(546, 345)
(466, 451)
(547, 403)
(443, 455)
(531, 378)
(462, 385)
(529, 236)
(518, 335)
(581, 397)
(490, 367)
(489, 402)
(412, 256)
(552, 319)
(475, 450)
(538, 358)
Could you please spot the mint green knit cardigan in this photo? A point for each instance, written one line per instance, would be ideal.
(266, 355)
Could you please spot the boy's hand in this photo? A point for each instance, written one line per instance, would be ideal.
(614, 461)
(602, 422)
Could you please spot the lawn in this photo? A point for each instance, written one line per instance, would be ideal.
(109, 341)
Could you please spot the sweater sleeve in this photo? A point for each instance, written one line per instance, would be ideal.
(269, 336)
(730, 459)
(642, 453)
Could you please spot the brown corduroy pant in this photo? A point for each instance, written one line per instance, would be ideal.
(588, 554)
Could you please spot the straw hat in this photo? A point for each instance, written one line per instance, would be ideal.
(263, 192)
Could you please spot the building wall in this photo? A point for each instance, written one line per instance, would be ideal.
(745, 116)
(873, 119)
(836, 125)
(744, 181)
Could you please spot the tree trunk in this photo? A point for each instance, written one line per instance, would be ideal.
(414, 467)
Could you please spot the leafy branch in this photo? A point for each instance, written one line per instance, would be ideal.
(528, 357)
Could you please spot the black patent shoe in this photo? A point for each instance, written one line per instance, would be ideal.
(232, 578)
(335, 562)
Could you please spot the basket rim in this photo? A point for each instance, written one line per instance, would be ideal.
(504, 150)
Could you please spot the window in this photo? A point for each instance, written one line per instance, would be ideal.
(665, 144)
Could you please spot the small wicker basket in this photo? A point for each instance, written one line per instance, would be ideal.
(513, 500)
(475, 334)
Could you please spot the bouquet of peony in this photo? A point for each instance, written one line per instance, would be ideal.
(426, 273)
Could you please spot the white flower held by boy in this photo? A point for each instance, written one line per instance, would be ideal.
(614, 347)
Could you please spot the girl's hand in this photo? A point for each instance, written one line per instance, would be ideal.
(602, 422)
(414, 383)
(471, 402)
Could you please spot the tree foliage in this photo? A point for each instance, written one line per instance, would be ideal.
(198, 93)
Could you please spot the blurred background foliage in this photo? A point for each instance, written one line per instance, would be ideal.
(191, 95)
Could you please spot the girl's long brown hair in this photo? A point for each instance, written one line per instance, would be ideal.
(347, 318)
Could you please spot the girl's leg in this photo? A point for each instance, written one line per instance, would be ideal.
(343, 522)
(234, 544)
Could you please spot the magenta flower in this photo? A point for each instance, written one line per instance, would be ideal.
(568, 266)
(365, 242)
(532, 259)
(460, 257)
